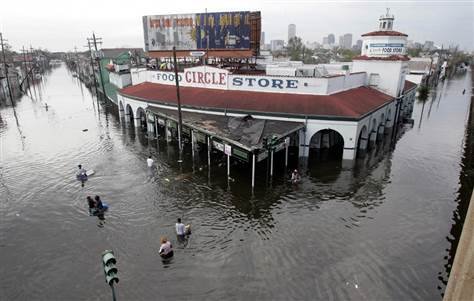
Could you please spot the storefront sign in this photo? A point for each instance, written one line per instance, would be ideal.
(218, 145)
(386, 48)
(206, 77)
(264, 83)
(228, 150)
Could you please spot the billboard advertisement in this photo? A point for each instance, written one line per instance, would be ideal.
(224, 30)
(165, 31)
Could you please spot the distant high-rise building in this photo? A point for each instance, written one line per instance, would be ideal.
(331, 39)
(429, 45)
(347, 41)
(291, 31)
(341, 41)
(325, 41)
(262, 39)
(277, 45)
(358, 44)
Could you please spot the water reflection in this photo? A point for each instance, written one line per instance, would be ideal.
(373, 231)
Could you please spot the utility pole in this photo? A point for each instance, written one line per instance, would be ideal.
(180, 120)
(6, 68)
(26, 67)
(78, 68)
(32, 67)
(96, 41)
(93, 69)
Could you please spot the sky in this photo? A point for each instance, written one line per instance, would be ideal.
(63, 25)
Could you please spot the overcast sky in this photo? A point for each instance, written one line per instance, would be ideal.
(61, 25)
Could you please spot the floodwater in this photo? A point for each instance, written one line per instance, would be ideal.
(378, 231)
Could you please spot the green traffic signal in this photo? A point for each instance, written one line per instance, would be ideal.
(110, 270)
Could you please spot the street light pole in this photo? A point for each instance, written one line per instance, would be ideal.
(180, 120)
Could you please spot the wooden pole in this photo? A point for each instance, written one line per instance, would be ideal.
(180, 120)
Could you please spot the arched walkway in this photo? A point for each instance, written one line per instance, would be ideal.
(326, 145)
(129, 114)
(381, 128)
(362, 142)
(141, 116)
(120, 106)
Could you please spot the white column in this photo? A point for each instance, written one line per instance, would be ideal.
(228, 166)
(286, 154)
(208, 152)
(271, 163)
(253, 170)
(192, 143)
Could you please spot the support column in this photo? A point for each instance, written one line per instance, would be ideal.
(303, 149)
(271, 163)
(208, 152)
(228, 166)
(372, 138)
(192, 144)
(156, 127)
(380, 132)
(286, 154)
(150, 126)
(253, 170)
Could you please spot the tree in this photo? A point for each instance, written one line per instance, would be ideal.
(296, 49)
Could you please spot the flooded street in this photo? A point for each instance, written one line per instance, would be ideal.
(378, 231)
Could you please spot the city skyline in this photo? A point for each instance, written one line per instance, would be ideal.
(57, 30)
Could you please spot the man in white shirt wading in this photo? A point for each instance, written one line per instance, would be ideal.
(149, 161)
(180, 230)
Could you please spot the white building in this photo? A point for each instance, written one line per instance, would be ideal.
(277, 45)
(341, 108)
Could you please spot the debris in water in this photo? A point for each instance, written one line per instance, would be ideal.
(85, 130)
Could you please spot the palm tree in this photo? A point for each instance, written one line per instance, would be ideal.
(423, 93)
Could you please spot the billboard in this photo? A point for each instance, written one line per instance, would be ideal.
(165, 31)
(224, 30)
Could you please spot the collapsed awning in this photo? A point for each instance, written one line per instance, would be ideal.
(245, 132)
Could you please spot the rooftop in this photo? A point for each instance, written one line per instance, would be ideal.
(384, 33)
(352, 104)
(379, 58)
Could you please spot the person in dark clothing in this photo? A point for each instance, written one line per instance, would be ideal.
(91, 202)
(92, 205)
(98, 203)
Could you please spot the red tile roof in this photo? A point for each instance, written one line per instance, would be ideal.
(386, 58)
(350, 104)
(384, 33)
(408, 86)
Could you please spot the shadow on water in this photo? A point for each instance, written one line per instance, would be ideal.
(466, 186)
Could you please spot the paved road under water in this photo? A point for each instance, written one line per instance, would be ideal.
(379, 231)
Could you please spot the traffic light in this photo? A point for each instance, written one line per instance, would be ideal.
(274, 140)
(110, 270)
(265, 142)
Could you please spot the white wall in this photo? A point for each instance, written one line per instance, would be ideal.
(120, 80)
(139, 75)
(273, 84)
(392, 74)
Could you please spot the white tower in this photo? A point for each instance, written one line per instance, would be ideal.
(386, 21)
(383, 57)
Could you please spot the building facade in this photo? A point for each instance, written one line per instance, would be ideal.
(344, 112)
